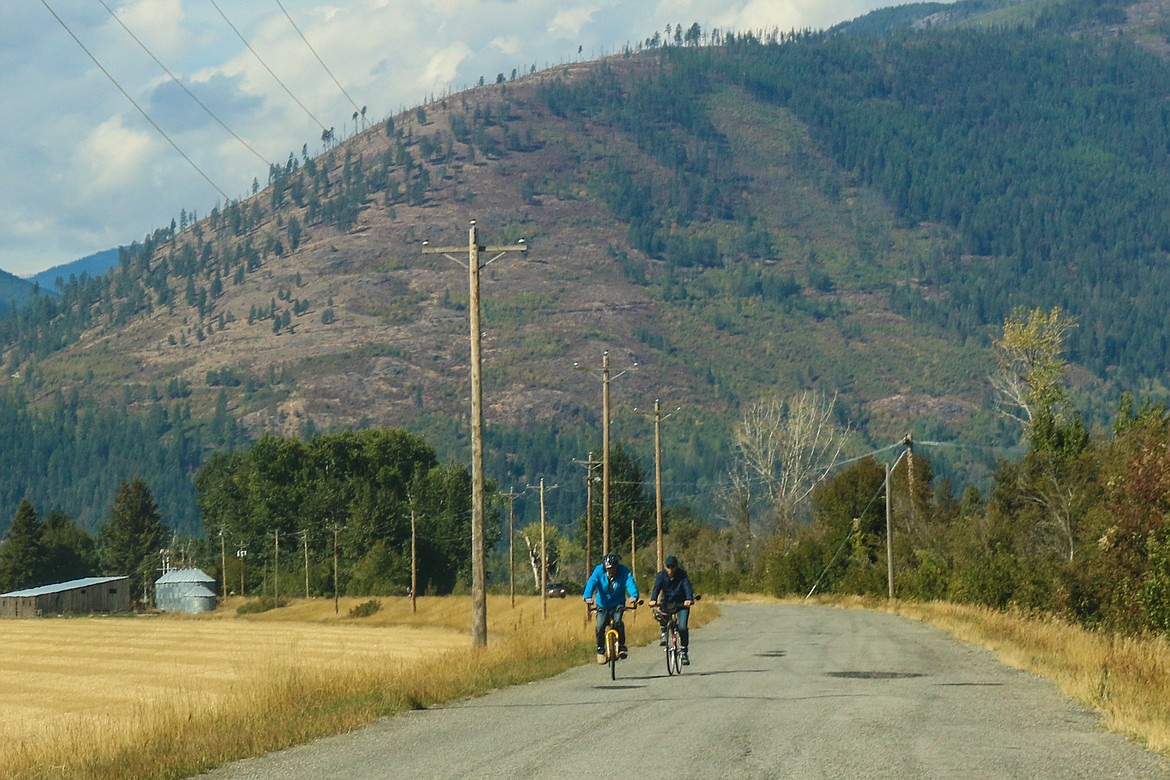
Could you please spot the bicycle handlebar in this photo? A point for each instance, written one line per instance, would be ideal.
(626, 604)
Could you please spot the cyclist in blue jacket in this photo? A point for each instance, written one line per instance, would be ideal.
(673, 588)
(614, 586)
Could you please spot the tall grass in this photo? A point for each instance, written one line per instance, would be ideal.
(291, 697)
(1126, 679)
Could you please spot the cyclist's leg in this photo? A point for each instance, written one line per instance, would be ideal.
(620, 625)
(602, 615)
(684, 633)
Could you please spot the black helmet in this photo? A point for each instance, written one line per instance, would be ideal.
(671, 561)
(610, 561)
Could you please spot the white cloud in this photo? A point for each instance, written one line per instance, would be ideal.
(568, 22)
(112, 156)
(443, 66)
(92, 168)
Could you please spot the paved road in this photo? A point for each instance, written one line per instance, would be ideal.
(773, 691)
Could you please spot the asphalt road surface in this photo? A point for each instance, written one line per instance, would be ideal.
(773, 691)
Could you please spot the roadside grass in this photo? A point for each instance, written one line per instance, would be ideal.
(170, 696)
(1125, 679)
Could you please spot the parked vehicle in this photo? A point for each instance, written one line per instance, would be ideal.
(555, 590)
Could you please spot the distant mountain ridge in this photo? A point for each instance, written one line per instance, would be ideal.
(853, 214)
(16, 292)
(96, 264)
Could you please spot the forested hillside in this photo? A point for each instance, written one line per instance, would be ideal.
(762, 214)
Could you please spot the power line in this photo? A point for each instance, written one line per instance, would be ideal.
(262, 62)
(145, 116)
(183, 86)
(318, 56)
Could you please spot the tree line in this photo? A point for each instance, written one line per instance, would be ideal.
(42, 552)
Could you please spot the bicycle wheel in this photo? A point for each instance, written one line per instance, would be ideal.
(671, 650)
(611, 650)
(676, 656)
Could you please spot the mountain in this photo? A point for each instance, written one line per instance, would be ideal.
(96, 264)
(767, 213)
(16, 292)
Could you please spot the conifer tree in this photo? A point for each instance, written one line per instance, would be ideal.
(130, 541)
(22, 556)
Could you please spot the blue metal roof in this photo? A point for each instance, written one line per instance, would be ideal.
(44, 590)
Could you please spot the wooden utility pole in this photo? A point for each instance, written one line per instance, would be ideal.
(658, 480)
(605, 453)
(336, 597)
(605, 377)
(589, 463)
(543, 558)
(889, 533)
(413, 565)
(511, 496)
(543, 552)
(478, 556)
(305, 536)
(242, 554)
(222, 563)
(276, 572)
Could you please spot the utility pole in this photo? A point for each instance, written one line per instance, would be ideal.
(478, 558)
(335, 528)
(511, 496)
(658, 418)
(589, 464)
(242, 554)
(889, 535)
(222, 563)
(543, 558)
(413, 565)
(605, 377)
(543, 554)
(305, 536)
(276, 572)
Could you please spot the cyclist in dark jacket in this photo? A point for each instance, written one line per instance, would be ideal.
(672, 589)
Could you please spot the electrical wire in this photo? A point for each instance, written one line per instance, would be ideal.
(318, 56)
(183, 86)
(126, 94)
(262, 62)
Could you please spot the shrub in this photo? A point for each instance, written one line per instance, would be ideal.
(365, 609)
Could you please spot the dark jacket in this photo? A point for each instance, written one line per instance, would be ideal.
(672, 591)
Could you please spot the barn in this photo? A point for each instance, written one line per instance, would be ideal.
(185, 590)
(75, 597)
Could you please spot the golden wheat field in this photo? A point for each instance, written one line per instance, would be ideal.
(58, 671)
(166, 696)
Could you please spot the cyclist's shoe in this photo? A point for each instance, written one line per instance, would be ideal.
(623, 652)
(662, 640)
(686, 661)
(601, 655)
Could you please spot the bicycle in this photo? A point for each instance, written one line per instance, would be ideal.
(612, 646)
(673, 640)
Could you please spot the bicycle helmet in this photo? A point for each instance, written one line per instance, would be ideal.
(610, 561)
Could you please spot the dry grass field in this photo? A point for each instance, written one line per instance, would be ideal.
(167, 696)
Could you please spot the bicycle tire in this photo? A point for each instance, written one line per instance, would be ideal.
(671, 650)
(611, 649)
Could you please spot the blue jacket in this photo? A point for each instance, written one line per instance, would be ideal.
(674, 591)
(611, 594)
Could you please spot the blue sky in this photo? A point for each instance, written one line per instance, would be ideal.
(84, 170)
